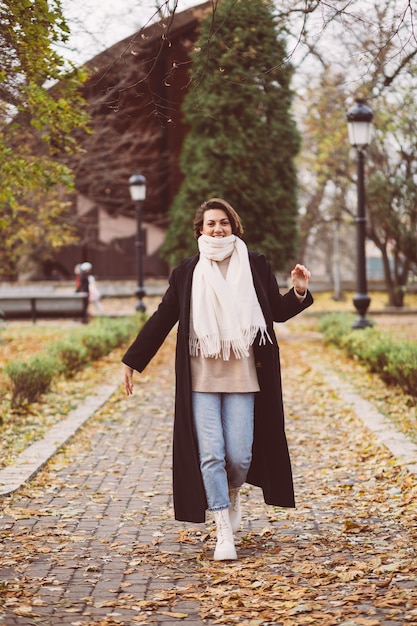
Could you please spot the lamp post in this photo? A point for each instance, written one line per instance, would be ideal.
(359, 119)
(137, 187)
(337, 285)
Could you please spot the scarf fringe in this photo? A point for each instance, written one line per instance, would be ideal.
(211, 346)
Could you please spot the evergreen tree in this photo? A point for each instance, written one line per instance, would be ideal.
(242, 139)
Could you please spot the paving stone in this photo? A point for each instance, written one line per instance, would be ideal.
(109, 519)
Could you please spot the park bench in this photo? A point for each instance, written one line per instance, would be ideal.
(43, 305)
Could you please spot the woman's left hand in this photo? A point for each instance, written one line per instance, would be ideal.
(300, 276)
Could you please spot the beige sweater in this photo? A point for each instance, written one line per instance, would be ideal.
(219, 376)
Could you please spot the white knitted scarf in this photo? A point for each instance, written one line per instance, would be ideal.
(225, 312)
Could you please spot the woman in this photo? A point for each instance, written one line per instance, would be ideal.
(229, 420)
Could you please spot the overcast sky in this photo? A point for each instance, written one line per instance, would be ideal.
(97, 24)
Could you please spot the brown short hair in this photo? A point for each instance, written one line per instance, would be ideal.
(218, 203)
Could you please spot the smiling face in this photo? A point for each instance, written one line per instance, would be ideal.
(216, 223)
(227, 212)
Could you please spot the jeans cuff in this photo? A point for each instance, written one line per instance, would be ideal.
(219, 508)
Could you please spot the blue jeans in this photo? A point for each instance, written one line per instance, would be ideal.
(224, 427)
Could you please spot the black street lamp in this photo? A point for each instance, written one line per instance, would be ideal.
(359, 119)
(137, 186)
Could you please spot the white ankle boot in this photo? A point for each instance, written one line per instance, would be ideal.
(225, 547)
(235, 514)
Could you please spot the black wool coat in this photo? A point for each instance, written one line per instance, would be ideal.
(270, 468)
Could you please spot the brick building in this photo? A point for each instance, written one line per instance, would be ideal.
(134, 95)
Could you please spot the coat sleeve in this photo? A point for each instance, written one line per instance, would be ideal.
(154, 332)
(283, 306)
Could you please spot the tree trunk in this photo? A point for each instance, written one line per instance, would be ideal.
(395, 281)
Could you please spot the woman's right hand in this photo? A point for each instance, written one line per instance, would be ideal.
(128, 379)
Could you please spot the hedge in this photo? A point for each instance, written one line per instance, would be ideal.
(395, 360)
(33, 377)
